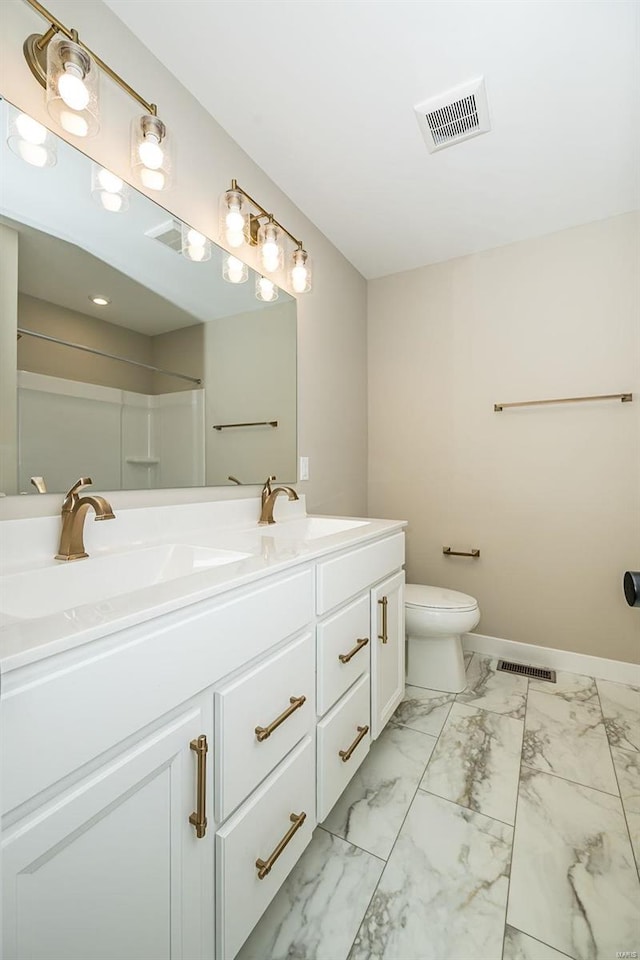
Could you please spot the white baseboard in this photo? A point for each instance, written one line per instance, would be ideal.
(599, 667)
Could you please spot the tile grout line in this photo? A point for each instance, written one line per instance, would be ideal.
(481, 813)
(615, 773)
(337, 836)
(515, 820)
(543, 942)
(401, 826)
(586, 786)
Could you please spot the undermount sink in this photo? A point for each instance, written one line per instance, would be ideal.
(312, 528)
(38, 593)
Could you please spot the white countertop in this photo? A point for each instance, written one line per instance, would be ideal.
(28, 545)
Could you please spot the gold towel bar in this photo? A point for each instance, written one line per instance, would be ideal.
(256, 423)
(448, 552)
(624, 397)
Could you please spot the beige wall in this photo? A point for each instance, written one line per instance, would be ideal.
(8, 347)
(180, 350)
(331, 320)
(551, 495)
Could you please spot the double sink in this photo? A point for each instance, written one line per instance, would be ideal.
(52, 589)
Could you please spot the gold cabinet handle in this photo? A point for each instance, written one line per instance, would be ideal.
(345, 657)
(384, 602)
(346, 754)
(199, 818)
(263, 732)
(264, 866)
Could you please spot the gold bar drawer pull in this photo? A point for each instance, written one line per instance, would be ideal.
(345, 657)
(263, 732)
(199, 818)
(346, 754)
(264, 866)
(384, 602)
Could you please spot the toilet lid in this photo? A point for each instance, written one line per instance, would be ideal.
(437, 598)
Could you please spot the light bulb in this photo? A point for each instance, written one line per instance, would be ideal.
(109, 182)
(266, 289)
(235, 270)
(270, 256)
(73, 123)
(299, 278)
(152, 179)
(195, 239)
(30, 130)
(234, 221)
(33, 153)
(72, 88)
(111, 201)
(195, 252)
(151, 153)
(235, 239)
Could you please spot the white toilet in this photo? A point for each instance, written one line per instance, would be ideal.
(434, 620)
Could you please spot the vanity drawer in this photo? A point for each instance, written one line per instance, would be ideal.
(342, 636)
(348, 574)
(281, 688)
(336, 734)
(254, 833)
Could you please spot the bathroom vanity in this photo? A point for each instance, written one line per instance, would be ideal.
(178, 716)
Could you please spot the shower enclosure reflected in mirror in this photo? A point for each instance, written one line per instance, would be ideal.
(136, 365)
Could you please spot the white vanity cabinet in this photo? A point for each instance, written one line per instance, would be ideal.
(110, 866)
(105, 853)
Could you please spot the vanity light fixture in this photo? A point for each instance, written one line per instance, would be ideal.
(30, 140)
(109, 190)
(69, 72)
(266, 289)
(195, 246)
(100, 301)
(234, 270)
(244, 220)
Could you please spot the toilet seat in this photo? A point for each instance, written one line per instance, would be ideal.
(437, 598)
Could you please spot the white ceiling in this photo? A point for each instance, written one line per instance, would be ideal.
(329, 87)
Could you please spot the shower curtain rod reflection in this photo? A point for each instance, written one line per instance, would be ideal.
(109, 356)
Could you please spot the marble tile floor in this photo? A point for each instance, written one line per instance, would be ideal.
(499, 824)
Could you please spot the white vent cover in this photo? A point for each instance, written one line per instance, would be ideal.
(168, 233)
(454, 116)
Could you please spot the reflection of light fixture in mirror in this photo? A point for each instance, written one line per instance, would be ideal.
(266, 289)
(234, 270)
(72, 87)
(233, 218)
(151, 152)
(100, 301)
(110, 191)
(300, 272)
(29, 140)
(195, 246)
(270, 249)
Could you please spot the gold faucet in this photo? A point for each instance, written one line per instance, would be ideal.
(269, 497)
(74, 510)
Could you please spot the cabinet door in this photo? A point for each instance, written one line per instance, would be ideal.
(387, 650)
(111, 867)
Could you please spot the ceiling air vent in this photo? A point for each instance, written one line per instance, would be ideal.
(454, 116)
(168, 233)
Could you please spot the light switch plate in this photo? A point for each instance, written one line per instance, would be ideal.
(304, 468)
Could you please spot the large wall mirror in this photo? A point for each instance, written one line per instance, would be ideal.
(180, 379)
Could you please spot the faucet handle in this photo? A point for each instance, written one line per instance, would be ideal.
(79, 485)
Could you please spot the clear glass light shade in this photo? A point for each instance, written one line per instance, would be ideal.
(234, 217)
(266, 289)
(109, 190)
(29, 140)
(234, 270)
(270, 248)
(195, 246)
(151, 153)
(72, 87)
(300, 272)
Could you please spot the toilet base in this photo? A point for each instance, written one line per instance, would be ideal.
(436, 663)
